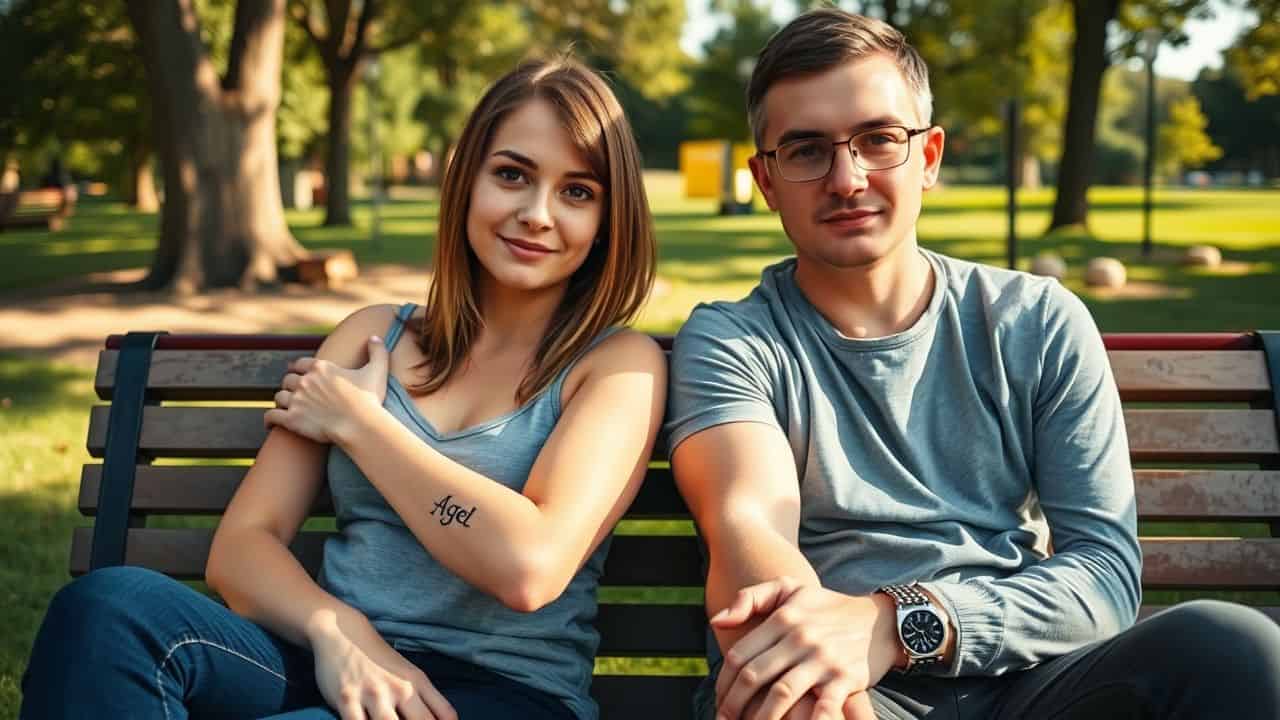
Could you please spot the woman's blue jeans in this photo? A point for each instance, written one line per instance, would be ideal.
(127, 642)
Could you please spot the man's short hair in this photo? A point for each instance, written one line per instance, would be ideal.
(823, 39)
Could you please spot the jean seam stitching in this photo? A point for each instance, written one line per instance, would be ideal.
(164, 703)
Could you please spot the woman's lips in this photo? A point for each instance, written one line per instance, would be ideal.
(525, 250)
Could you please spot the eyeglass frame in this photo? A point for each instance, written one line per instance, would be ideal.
(848, 143)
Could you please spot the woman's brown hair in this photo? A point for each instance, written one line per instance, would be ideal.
(617, 274)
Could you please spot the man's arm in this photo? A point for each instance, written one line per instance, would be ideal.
(1090, 588)
(740, 482)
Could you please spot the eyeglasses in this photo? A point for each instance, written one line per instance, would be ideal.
(808, 159)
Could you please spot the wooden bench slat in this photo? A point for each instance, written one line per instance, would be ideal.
(645, 697)
(1201, 435)
(1154, 435)
(1211, 563)
(653, 560)
(207, 489)
(1223, 495)
(1156, 375)
(642, 561)
(634, 560)
(204, 374)
(189, 432)
(180, 490)
(652, 630)
(1207, 494)
(181, 553)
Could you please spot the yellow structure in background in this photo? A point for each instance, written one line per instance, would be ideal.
(702, 167)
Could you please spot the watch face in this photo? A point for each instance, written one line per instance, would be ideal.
(922, 632)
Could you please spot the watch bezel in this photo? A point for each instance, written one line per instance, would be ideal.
(906, 612)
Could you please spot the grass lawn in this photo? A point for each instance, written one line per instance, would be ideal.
(43, 406)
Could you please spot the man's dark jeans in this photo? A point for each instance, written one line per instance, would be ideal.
(1202, 659)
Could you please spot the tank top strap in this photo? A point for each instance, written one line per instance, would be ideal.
(556, 389)
(397, 325)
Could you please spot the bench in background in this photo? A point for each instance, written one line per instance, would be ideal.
(49, 207)
(1201, 412)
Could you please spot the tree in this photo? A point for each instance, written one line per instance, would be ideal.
(1256, 54)
(81, 89)
(222, 223)
(347, 34)
(1088, 62)
(719, 82)
(1247, 131)
(1183, 143)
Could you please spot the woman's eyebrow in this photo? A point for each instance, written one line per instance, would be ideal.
(528, 162)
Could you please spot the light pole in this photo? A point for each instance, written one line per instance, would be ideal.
(1150, 43)
(371, 77)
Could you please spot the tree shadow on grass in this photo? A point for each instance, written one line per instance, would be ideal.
(1243, 294)
(36, 385)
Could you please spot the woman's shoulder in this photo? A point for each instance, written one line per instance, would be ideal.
(346, 343)
(625, 349)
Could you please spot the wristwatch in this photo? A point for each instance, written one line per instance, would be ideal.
(922, 626)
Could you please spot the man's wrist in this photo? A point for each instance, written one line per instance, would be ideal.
(887, 625)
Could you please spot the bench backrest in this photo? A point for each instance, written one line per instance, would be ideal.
(33, 207)
(1200, 412)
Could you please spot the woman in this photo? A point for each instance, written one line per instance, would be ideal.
(477, 457)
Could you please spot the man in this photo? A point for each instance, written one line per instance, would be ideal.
(911, 472)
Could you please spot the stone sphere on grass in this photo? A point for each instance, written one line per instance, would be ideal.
(1049, 265)
(1105, 272)
(1202, 255)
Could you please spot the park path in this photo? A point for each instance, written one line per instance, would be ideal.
(69, 323)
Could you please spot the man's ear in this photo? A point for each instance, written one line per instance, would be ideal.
(934, 140)
(760, 171)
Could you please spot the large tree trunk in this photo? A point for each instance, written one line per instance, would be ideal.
(142, 185)
(222, 222)
(1088, 62)
(341, 77)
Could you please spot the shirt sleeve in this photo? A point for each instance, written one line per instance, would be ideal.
(718, 374)
(1089, 588)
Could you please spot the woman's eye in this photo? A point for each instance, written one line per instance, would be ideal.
(579, 192)
(509, 174)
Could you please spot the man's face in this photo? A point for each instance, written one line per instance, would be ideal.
(850, 218)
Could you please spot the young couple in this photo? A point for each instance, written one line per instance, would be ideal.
(911, 471)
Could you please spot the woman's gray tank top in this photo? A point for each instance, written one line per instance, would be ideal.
(376, 565)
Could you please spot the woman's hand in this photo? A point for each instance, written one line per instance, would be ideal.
(319, 400)
(369, 680)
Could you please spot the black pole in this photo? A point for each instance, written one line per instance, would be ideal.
(1151, 152)
(1012, 117)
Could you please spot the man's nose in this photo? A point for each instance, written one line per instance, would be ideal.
(845, 178)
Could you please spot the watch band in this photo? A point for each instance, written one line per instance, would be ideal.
(907, 597)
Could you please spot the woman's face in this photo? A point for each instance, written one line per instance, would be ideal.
(536, 207)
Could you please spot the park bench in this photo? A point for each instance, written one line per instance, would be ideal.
(1201, 412)
(47, 206)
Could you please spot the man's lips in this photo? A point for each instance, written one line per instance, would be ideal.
(850, 216)
(525, 244)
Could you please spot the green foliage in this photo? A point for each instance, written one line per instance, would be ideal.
(301, 120)
(80, 91)
(1247, 131)
(638, 39)
(1256, 54)
(1183, 143)
(717, 97)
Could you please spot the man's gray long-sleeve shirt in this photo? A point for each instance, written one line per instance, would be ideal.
(955, 453)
